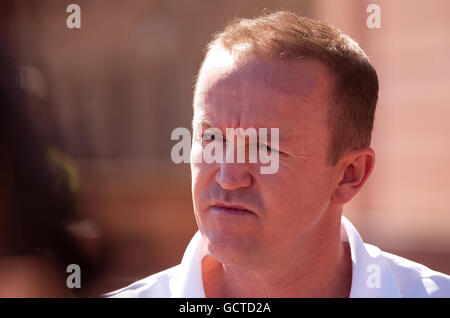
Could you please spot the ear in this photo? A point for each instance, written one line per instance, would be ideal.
(357, 167)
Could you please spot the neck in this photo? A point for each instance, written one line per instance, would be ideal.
(320, 267)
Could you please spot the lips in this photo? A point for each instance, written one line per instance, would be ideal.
(232, 209)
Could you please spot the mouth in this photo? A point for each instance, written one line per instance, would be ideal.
(231, 209)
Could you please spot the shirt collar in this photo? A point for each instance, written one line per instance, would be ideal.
(367, 264)
(189, 282)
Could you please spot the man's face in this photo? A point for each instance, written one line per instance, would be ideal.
(285, 206)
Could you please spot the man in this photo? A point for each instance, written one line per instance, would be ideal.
(283, 234)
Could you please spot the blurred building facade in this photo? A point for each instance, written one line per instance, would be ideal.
(108, 95)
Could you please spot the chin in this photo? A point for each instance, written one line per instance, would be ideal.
(231, 248)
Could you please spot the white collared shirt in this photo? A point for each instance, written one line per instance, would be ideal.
(374, 274)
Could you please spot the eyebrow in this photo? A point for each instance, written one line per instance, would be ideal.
(202, 118)
(207, 122)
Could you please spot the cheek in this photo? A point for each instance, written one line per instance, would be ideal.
(196, 151)
(203, 175)
(297, 193)
(293, 210)
(197, 167)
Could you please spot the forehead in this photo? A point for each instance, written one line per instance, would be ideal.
(259, 92)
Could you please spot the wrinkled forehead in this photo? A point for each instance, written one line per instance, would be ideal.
(223, 69)
(261, 87)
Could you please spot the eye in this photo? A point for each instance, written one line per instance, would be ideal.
(264, 146)
(209, 137)
(268, 148)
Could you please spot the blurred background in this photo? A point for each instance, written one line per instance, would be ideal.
(106, 97)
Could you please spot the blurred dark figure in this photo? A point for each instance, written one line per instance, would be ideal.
(36, 204)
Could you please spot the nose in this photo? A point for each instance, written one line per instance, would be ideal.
(233, 176)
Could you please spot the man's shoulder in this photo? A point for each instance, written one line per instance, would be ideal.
(417, 280)
(154, 286)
